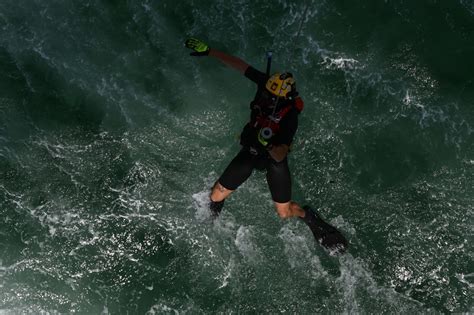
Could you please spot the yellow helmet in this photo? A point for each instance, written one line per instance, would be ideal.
(280, 84)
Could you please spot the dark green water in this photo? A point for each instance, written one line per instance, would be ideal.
(111, 135)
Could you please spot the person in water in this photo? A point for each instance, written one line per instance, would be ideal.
(266, 141)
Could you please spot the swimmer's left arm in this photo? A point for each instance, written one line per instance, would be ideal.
(278, 152)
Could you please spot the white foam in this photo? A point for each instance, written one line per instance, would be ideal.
(105, 310)
(355, 278)
(298, 252)
(244, 241)
(403, 273)
(466, 279)
(2, 273)
(201, 204)
(342, 225)
(161, 309)
(227, 274)
(340, 63)
(407, 98)
(469, 5)
(469, 162)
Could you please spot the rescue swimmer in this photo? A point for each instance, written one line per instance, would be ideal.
(265, 143)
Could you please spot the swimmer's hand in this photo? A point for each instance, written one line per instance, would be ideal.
(200, 48)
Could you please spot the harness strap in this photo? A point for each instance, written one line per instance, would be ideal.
(274, 121)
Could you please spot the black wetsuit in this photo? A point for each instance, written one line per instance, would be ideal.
(254, 155)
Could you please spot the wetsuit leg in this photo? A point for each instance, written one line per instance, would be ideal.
(279, 180)
(238, 170)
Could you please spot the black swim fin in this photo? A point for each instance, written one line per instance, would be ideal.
(326, 235)
(216, 208)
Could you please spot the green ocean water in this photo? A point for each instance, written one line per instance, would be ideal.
(111, 136)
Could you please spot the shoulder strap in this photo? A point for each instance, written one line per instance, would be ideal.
(298, 104)
(284, 111)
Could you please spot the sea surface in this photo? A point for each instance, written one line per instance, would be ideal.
(111, 136)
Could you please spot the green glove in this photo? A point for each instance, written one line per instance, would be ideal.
(200, 48)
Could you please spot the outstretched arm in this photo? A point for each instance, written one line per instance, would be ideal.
(201, 49)
(231, 61)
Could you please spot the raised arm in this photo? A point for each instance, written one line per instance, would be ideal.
(201, 49)
(231, 61)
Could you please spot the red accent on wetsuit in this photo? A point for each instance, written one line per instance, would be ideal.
(263, 121)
